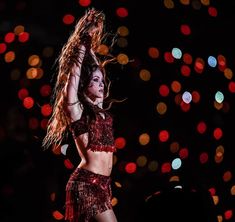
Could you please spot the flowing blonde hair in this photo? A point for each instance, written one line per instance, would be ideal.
(57, 127)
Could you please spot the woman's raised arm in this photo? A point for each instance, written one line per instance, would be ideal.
(74, 106)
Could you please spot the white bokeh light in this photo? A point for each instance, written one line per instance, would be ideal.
(176, 53)
(219, 97)
(176, 163)
(64, 148)
(187, 97)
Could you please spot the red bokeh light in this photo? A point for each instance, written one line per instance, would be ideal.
(68, 19)
(45, 90)
(166, 168)
(168, 57)
(183, 153)
(84, 3)
(231, 87)
(46, 110)
(212, 11)
(43, 123)
(185, 70)
(203, 157)
(9, 37)
(164, 90)
(120, 142)
(218, 133)
(22, 93)
(187, 58)
(228, 214)
(23, 37)
(122, 12)
(199, 66)
(57, 215)
(212, 191)
(196, 96)
(3, 48)
(163, 135)
(185, 106)
(185, 29)
(201, 127)
(28, 102)
(68, 164)
(130, 167)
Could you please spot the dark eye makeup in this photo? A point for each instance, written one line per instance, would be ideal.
(97, 80)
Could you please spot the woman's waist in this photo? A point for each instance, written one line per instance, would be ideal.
(99, 162)
(87, 175)
(98, 165)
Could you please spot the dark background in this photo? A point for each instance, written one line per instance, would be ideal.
(29, 175)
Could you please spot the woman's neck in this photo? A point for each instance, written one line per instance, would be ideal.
(97, 102)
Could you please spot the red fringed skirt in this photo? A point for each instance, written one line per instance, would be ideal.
(87, 194)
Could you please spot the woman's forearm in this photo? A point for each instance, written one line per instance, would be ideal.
(74, 78)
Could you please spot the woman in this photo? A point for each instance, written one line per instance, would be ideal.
(80, 90)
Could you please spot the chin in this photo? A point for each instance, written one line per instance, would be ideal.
(100, 96)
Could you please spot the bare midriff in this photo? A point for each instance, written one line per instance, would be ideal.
(97, 162)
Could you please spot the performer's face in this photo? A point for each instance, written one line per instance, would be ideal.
(95, 88)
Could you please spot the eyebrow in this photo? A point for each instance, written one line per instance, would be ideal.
(98, 77)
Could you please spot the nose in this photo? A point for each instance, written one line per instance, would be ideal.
(101, 84)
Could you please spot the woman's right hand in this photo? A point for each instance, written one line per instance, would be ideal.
(93, 24)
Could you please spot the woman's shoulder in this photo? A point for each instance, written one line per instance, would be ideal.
(81, 120)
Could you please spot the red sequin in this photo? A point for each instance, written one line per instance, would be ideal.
(100, 131)
(87, 194)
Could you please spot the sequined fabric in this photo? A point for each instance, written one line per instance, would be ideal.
(100, 131)
(87, 194)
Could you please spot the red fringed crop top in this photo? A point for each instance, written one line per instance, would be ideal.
(100, 131)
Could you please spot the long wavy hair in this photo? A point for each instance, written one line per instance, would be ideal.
(57, 127)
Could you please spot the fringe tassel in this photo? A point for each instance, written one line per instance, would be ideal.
(88, 196)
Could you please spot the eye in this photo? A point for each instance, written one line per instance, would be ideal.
(95, 80)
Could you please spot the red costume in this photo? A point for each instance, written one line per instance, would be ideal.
(100, 131)
(88, 193)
